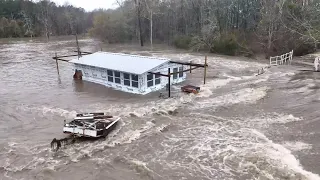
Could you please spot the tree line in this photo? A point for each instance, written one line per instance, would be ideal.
(220, 26)
(25, 18)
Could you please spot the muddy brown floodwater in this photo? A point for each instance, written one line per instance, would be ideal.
(240, 126)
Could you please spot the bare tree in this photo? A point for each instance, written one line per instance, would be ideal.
(219, 25)
(27, 24)
(44, 17)
(152, 9)
(138, 11)
(305, 23)
(270, 24)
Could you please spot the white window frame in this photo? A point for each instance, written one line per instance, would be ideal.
(152, 80)
(181, 69)
(175, 76)
(104, 74)
(157, 78)
(114, 75)
(124, 79)
(109, 76)
(131, 80)
(93, 72)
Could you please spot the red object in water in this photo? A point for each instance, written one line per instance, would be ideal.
(190, 89)
(77, 74)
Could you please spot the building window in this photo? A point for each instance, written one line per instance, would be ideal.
(150, 83)
(150, 80)
(117, 77)
(87, 73)
(94, 73)
(134, 81)
(126, 78)
(117, 80)
(180, 71)
(157, 79)
(134, 77)
(150, 77)
(135, 84)
(103, 75)
(175, 70)
(110, 75)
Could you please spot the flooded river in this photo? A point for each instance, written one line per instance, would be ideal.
(240, 126)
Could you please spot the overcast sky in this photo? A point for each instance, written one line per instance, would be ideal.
(89, 5)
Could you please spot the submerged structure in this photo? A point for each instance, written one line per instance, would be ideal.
(128, 73)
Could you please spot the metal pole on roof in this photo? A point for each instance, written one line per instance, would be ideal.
(57, 63)
(169, 83)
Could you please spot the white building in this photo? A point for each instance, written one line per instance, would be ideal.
(129, 73)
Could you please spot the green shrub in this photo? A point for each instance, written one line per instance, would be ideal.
(182, 42)
(303, 49)
(226, 45)
(300, 46)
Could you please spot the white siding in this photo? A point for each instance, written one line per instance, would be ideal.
(163, 69)
(100, 76)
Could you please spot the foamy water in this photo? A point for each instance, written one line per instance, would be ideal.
(203, 136)
(297, 146)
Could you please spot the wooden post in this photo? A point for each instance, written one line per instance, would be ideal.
(190, 65)
(169, 83)
(57, 63)
(205, 70)
(78, 48)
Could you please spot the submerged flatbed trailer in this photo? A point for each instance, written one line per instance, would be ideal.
(91, 125)
(88, 125)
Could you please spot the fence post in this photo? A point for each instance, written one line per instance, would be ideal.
(205, 70)
(169, 83)
(57, 63)
(270, 60)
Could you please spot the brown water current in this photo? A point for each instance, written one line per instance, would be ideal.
(240, 126)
